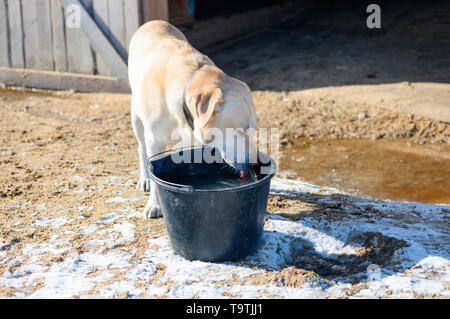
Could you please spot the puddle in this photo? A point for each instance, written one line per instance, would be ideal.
(383, 169)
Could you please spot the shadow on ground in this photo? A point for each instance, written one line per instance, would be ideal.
(329, 44)
(337, 237)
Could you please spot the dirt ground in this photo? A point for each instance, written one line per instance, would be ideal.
(319, 79)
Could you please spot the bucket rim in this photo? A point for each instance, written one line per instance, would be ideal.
(180, 188)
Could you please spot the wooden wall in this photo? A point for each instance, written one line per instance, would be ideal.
(34, 34)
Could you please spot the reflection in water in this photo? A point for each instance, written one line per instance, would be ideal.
(209, 182)
(381, 169)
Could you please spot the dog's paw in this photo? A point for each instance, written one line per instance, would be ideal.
(143, 184)
(152, 211)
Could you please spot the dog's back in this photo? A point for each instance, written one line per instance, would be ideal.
(153, 45)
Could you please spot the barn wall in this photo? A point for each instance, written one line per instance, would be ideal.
(34, 34)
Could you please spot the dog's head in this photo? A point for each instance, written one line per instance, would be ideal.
(223, 116)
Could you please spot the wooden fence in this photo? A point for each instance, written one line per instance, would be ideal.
(80, 44)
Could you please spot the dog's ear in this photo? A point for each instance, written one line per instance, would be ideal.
(203, 103)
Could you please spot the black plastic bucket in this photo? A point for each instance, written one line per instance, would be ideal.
(211, 225)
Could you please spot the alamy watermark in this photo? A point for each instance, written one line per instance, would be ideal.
(73, 16)
(373, 272)
(374, 19)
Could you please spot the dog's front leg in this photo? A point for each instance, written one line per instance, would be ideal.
(153, 209)
(138, 128)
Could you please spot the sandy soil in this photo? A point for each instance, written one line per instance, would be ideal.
(75, 154)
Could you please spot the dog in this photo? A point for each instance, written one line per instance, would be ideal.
(174, 86)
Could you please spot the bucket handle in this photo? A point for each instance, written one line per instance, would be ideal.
(178, 187)
(169, 151)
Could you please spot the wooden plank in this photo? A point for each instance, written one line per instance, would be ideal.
(88, 58)
(117, 27)
(16, 34)
(73, 44)
(101, 43)
(145, 11)
(100, 14)
(45, 54)
(4, 45)
(62, 80)
(132, 20)
(79, 54)
(37, 35)
(159, 10)
(59, 40)
(30, 31)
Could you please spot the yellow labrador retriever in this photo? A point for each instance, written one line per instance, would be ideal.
(174, 86)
